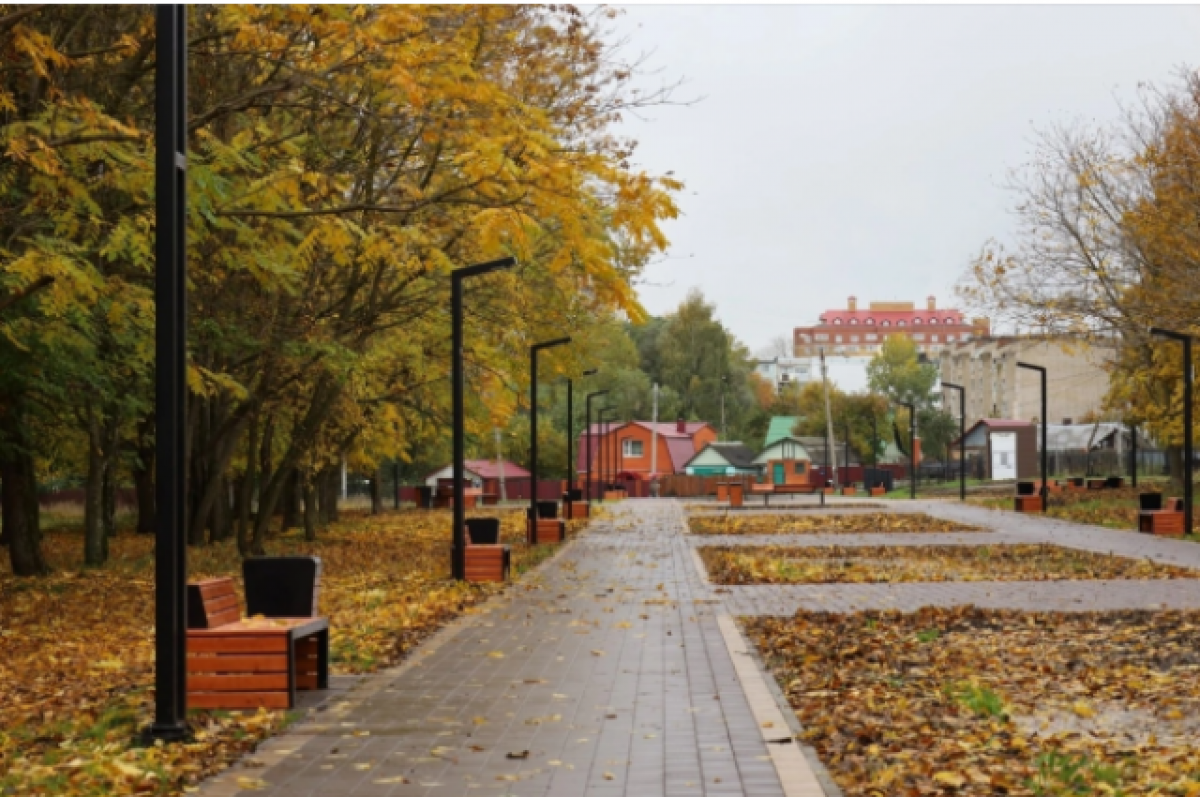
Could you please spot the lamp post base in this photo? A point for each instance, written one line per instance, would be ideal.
(168, 733)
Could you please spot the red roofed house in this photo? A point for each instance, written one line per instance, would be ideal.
(626, 447)
(479, 472)
(860, 333)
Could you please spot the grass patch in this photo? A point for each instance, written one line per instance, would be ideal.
(836, 564)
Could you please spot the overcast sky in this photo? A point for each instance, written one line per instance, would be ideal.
(862, 150)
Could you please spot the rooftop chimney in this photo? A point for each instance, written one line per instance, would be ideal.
(932, 303)
(681, 426)
(853, 303)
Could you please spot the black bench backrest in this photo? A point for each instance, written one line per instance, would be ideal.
(483, 530)
(282, 586)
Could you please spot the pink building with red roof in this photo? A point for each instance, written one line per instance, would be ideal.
(855, 332)
(625, 447)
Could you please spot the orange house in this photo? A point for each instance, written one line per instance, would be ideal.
(625, 447)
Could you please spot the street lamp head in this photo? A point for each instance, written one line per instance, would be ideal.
(483, 268)
(549, 344)
(591, 372)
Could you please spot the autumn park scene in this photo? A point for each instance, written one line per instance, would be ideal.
(783, 401)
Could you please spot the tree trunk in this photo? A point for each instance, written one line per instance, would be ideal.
(310, 510)
(291, 501)
(108, 486)
(143, 485)
(377, 491)
(95, 541)
(221, 523)
(247, 496)
(19, 511)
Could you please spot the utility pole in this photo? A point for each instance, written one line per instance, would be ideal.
(500, 464)
(654, 443)
(724, 382)
(829, 423)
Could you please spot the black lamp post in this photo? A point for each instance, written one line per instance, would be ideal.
(533, 438)
(605, 449)
(458, 552)
(1045, 491)
(1188, 453)
(571, 431)
(912, 446)
(170, 382)
(962, 435)
(589, 485)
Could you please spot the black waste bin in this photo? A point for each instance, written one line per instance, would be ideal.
(424, 497)
(875, 477)
(574, 494)
(282, 586)
(483, 530)
(547, 510)
(1026, 488)
(1150, 501)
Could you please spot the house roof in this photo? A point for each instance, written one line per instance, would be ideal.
(796, 450)
(490, 469)
(780, 427)
(737, 455)
(975, 434)
(665, 428)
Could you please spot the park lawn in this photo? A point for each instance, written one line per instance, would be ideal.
(1114, 509)
(813, 523)
(76, 647)
(835, 564)
(967, 701)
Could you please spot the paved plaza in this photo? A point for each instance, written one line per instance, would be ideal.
(617, 669)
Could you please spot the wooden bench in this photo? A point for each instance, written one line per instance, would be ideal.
(575, 510)
(258, 662)
(548, 530)
(878, 491)
(1163, 522)
(1096, 484)
(795, 488)
(1028, 503)
(486, 561)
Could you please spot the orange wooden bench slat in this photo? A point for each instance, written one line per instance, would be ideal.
(238, 663)
(216, 587)
(237, 644)
(220, 603)
(239, 682)
(238, 700)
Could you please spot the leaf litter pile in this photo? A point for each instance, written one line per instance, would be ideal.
(76, 647)
(968, 701)
(836, 564)
(795, 523)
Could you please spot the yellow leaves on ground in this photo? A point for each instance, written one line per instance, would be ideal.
(76, 648)
(979, 702)
(803, 523)
(1112, 508)
(835, 564)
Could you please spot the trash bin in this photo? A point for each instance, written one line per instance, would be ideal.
(574, 494)
(736, 493)
(547, 510)
(1149, 502)
(722, 491)
(1026, 488)
(282, 586)
(424, 497)
(483, 530)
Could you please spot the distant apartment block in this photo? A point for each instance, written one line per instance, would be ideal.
(1076, 377)
(855, 332)
(781, 371)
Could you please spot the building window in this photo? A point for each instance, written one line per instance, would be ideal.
(837, 338)
(854, 338)
(917, 321)
(837, 321)
(899, 323)
(798, 467)
(886, 324)
(934, 339)
(631, 448)
(853, 320)
(821, 336)
(871, 321)
(918, 336)
(949, 338)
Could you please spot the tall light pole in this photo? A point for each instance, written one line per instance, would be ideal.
(458, 551)
(1188, 377)
(602, 419)
(1045, 491)
(533, 438)
(170, 381)
(571, 431)
(912, 445)
(588, 485)
(724, 382)
(962, 435)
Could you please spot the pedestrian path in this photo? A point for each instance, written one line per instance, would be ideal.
(605, 674)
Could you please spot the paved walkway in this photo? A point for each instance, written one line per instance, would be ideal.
(617, 670)
(606, 674)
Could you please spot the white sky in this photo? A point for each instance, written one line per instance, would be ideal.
(862, 150)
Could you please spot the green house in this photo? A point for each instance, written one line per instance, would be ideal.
(722, 459)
